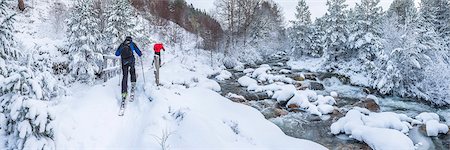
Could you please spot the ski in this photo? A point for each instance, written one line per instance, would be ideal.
(133, 87)
(132, 97)
(122, 107)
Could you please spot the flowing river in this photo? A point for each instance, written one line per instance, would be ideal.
(311, 127)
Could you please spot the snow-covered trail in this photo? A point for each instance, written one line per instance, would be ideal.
(90, 118)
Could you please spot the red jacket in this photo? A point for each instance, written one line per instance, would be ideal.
(157, 47)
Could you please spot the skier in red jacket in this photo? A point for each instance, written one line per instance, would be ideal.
(157, 48)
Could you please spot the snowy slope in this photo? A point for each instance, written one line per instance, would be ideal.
(185, 107)
(196, 118)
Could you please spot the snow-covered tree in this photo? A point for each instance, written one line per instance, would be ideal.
(301, 32)
(404, 11)
(26, 118)
(364, 39)
(436, 84)
(443, 17)
(403, 69)
(267, 31)
(25, 91)
(336, 31)
(406, 68)
(6, 35)
(120, 21)
(317, 38)
(429, 26)
(437, 12)
(83, 38)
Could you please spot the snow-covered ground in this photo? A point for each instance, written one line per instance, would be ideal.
(185, 112)
(194, 118)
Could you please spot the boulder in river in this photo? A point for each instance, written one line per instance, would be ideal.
(342, 78)
(272, 112)
(236, 98)
(256, 96)
(310, 76)
(299, 78)
(316, 86)
(368, 103)
(293, 106)
(370, 91)
(300, 86)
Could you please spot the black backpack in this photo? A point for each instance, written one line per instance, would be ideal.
(127, 52)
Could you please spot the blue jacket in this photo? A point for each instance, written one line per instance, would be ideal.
(133, 46)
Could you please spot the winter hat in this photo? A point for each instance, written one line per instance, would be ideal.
(128, 38)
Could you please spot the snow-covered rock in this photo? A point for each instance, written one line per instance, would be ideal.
(298, 101)
(235, 98)
(334, 94)
(285, 71)
(224, 75)
(425, 117)
(246, 81)
(248, 70)
(374, 98)
(284, 95)
(261, 71)
(325, 100)
(382, 139)
(378, 130)
(325, 109)
(388, 120)
(347, 123)
(312, 109)
(312, 95)
(433, 128)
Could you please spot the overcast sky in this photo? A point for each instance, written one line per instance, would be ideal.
(317, 7)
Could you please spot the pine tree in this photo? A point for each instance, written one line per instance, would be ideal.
(429, 27)
(317, 39)
(302, 31)
(365, 38)
(6, 35)
(83, 37)
(336, 33)
(25, 119)
(443, 21)
(302, 14)
(120, 22)
(407, 67)
(267, 30)
(404, 11)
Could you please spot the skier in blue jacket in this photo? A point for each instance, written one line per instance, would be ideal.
(125, 51)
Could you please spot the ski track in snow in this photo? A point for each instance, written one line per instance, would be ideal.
(91, 117)
(197, 118)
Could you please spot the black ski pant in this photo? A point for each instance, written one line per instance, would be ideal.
(159, 54)
(127, 66)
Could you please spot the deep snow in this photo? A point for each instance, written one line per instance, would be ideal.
(197, 118)
(185, 108)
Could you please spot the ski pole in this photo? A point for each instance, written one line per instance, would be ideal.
(120, 71)
(143, 75)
